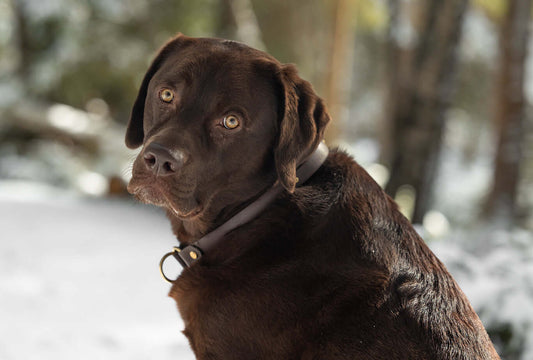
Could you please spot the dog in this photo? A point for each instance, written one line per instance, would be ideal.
(326, 269)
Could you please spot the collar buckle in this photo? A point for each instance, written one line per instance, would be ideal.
(185, 257)
(188, 255)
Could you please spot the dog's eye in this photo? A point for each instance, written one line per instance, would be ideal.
(231, 122)
(166, 95)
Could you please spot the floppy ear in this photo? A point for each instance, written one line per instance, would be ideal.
(303, 121)
(135, 132)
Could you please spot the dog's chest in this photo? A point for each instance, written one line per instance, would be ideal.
(232, 317)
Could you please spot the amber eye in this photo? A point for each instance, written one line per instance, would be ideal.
(166, 95)
(231, 122)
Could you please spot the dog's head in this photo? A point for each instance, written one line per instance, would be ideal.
(219, 122)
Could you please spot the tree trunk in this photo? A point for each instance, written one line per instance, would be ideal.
(22, 41)
(247, 27)
(509, 112)
(339, 76)
(419, 94)
(226, 26)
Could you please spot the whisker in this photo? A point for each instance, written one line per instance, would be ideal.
(126, 171)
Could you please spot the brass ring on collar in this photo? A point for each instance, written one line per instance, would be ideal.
(174, 250)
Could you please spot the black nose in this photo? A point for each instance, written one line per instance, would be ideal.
(161, 161)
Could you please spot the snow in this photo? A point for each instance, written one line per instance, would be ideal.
(495, 270)
(79, 279)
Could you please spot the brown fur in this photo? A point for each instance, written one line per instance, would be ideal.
(331, 270)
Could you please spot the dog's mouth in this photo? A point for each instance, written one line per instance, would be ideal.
(181, 203)
(184, 216)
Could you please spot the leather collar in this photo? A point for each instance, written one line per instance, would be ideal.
(190, 254)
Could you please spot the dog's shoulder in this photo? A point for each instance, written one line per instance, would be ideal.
(341, 196)
(393, 267)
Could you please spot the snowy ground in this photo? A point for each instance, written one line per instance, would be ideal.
(79, 280)
(495, 270)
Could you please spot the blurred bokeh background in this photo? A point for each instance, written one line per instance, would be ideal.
(432, 97)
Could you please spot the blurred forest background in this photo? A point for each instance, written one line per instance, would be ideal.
(432, 97)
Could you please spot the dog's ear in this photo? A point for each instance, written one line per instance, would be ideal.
(303, 120)
(135, 131)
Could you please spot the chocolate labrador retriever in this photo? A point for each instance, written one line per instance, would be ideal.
(310, 264)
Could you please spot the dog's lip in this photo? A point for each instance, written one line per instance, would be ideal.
(138, 185)
(187, 216)
(137, 189)
(134, 189)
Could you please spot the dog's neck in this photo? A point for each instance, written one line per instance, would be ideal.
(189, 231)
(192, 248)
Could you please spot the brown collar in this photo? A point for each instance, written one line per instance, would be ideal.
(193, 252)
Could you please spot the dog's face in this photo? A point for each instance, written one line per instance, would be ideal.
(219, 122)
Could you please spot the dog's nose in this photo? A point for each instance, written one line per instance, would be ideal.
(161, 161)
